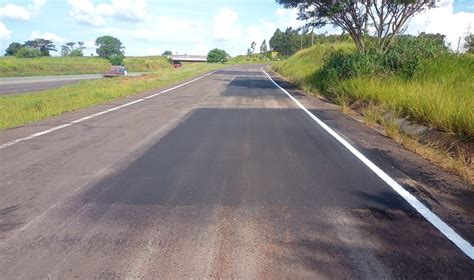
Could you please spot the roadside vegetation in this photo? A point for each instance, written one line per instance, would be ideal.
(44, 66)
(390, 78)
(22, 109)
(418, 79)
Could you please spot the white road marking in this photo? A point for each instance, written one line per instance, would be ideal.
(444, 228)
(32, 136)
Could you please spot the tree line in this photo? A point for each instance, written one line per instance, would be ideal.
(107, 47)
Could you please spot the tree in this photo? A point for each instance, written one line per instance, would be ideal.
(70, 49)
(43, 45)
(253, 46)
(387, 18)
(108, 46)
(116, 59)
(13, 48)
(27, 52)
(217, 55)
(167, 53)
(469, 43)
(286, 43)
(76, 52)
(263, 47)
(65, 51)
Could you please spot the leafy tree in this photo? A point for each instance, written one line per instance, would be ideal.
(469, 43)
(65, 51)
(217, 55)
(387, 18)
(70, 49)
(116, 59)
(286, 43)
(27, 52)
(167, 53)
(13, 48)
(76, 52)
(108, 46)
(253, 46)
(263, 47)
(43, 45)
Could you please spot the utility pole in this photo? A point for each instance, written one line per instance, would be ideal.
(459, 44)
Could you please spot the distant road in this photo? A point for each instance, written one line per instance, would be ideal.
(14, 85)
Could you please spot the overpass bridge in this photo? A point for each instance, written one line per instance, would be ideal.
(176, 59)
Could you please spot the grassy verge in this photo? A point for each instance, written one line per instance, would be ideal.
(146, 63)
(299, 67)
(44, 66)
(440, 95)
(22, 109)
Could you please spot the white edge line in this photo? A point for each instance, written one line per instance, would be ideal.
(14, 142)
(444, 228)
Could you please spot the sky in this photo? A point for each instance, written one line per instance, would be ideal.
(149, 27)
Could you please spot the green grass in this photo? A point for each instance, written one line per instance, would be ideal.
(299, 67)
(146, 63)
(22, 109)
(441, 94)
(43, 66)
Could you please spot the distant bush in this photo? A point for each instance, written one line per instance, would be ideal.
(116, 59)
(26, 52)
(217, 55)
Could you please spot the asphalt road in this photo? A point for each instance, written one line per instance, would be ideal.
(222, 178)
(16, 85)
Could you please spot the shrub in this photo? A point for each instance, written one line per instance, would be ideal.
(116, 59)
(217, 55)
(28, 53)
(402, 59)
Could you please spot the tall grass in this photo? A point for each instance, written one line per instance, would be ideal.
(304, 63)
(21, 109)
(43, 66)
(146, 63)
(440, 92)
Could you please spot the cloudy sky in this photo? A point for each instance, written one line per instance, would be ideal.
(149, 27)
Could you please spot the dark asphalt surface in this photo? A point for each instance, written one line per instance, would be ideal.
(222, 178)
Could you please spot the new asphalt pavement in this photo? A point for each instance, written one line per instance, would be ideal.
(224, 177)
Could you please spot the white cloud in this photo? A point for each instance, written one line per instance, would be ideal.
(48, 36)
(19, 12)
(5, 33)
(171, 30)
(225, 25)
(86, 12)
(443, 20)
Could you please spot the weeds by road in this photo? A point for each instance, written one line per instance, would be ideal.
(439, 94)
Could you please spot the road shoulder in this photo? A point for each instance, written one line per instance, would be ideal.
(445, 194)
